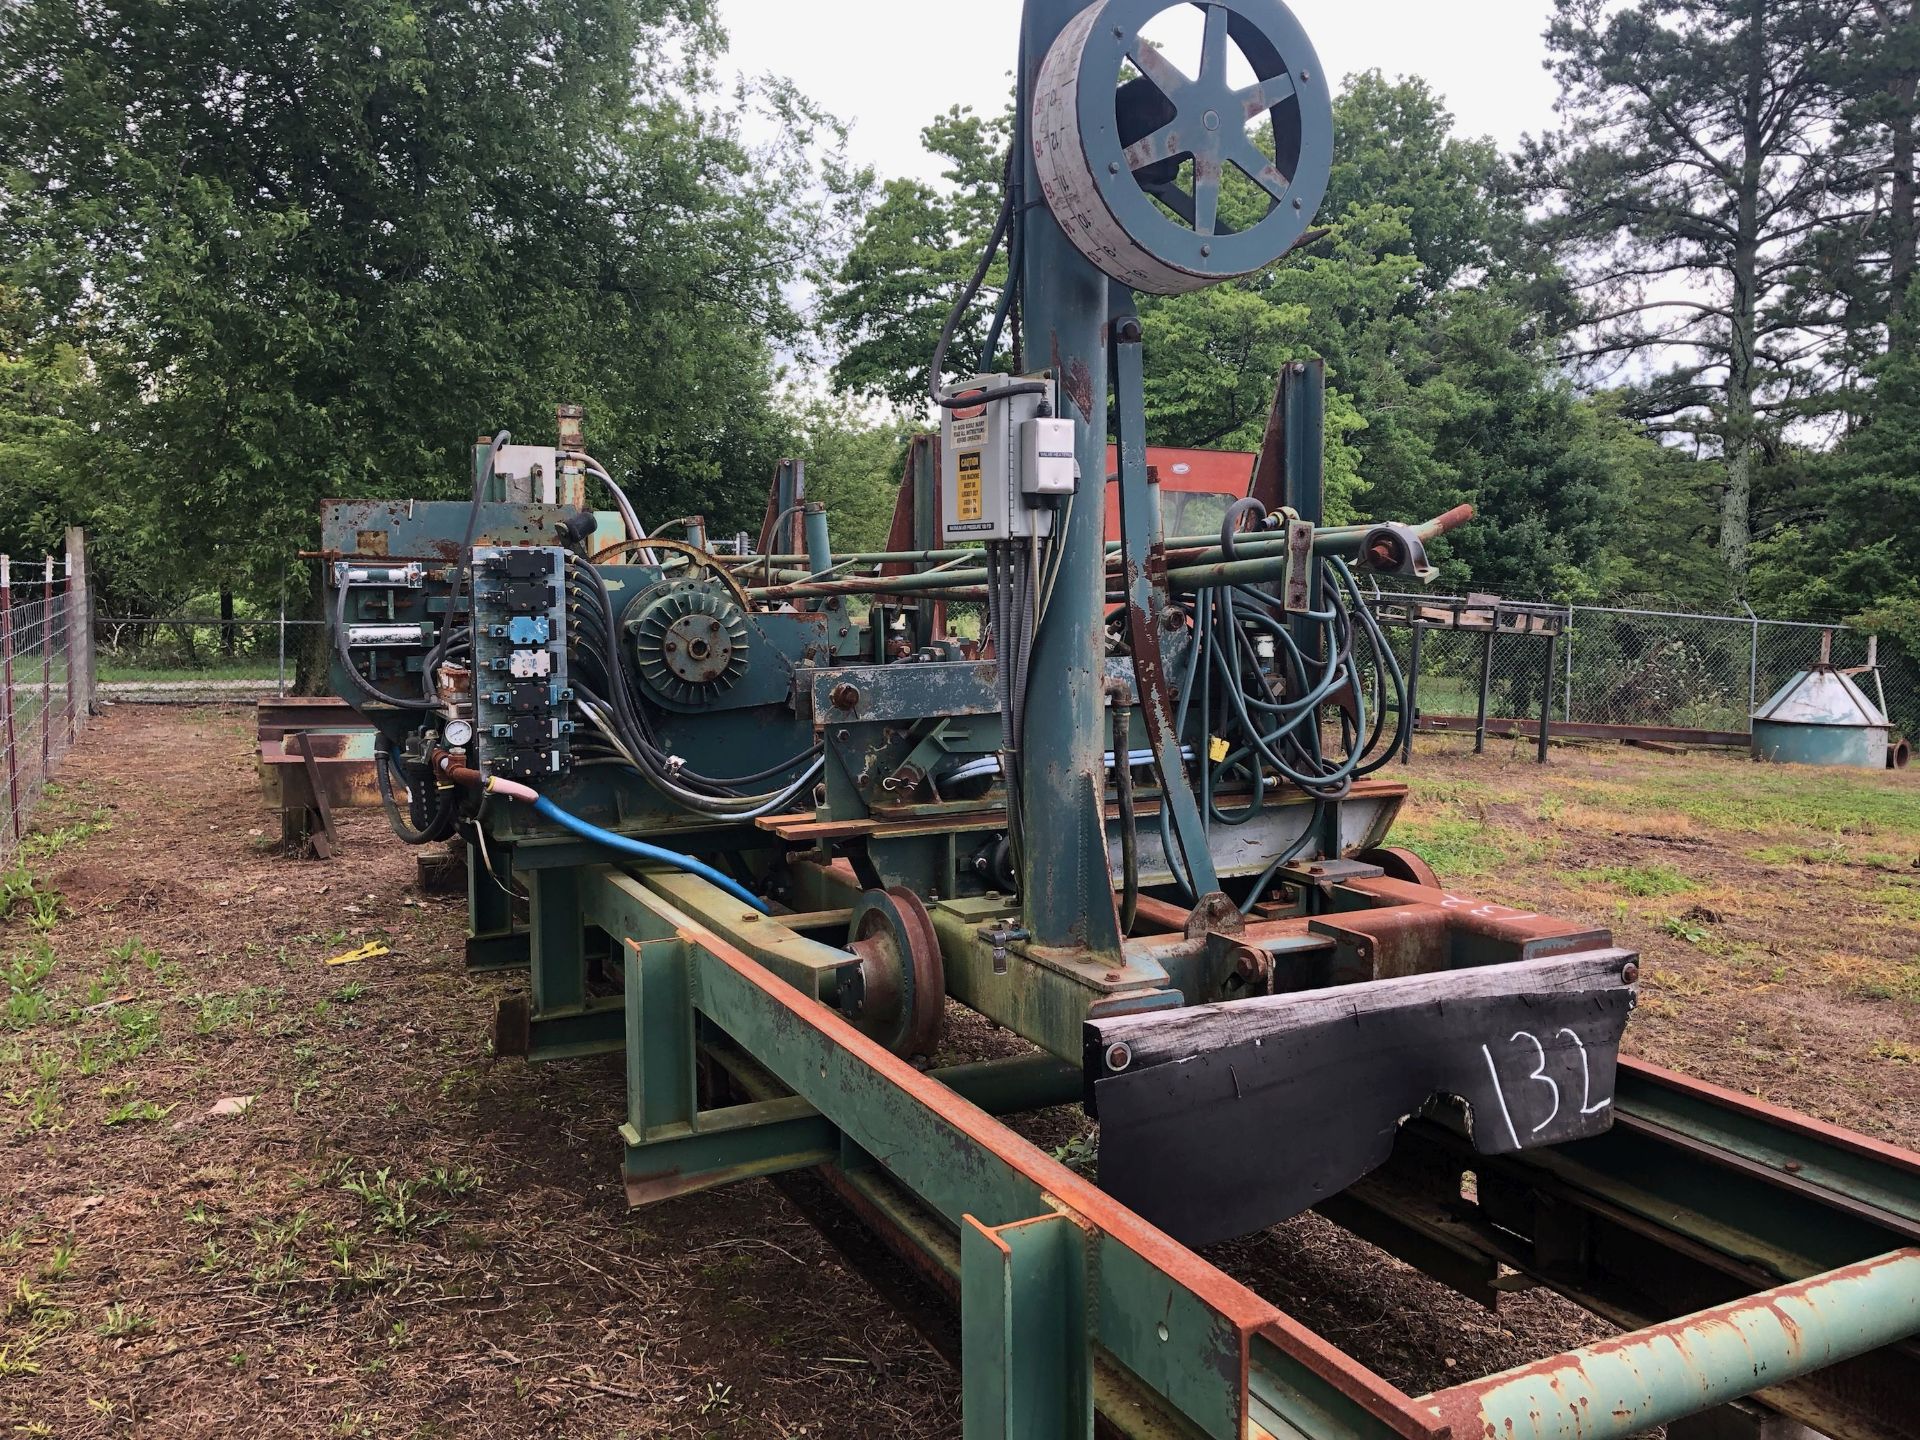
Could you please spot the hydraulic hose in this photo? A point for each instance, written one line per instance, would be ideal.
(1123, 792)
(443, 763)
(419, 826)
(640, 850)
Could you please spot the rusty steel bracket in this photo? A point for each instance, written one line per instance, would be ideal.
(1219, 1120)
(325, 840)
(1144, 570)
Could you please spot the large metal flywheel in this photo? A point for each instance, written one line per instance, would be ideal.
(1137, 147)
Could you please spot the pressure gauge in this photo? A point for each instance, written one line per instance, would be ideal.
(459, 734)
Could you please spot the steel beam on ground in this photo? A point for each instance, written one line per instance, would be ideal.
(1501, 726)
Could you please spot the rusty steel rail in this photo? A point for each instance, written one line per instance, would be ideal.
(1168, 1338)
(1649, 1377)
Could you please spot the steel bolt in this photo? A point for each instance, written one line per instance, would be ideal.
(1629, 973)
(845, 695)
(1119, 1055)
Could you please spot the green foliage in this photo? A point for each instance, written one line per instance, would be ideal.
(911, 255)
(1697, 164)
(855, 464)
(400, 226)
(1645, 881)
(404, 225)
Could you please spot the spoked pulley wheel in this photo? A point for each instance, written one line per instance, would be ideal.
(1171, 170)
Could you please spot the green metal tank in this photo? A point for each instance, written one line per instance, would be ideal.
(1820, 717)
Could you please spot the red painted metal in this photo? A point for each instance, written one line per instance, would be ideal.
(1502, 923)
(1226, 473)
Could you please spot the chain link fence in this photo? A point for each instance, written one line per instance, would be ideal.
(1597, 665)
(45, 680)
(188, 659)
(1607, 666)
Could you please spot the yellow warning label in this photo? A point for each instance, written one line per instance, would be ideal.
(1217, 749)
(967, 500)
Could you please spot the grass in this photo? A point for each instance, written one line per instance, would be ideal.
(1643, 881)
(137, 1112)
(113, 672)
(1456, 846)
(123, 1323)
(1773, 800)
(399, 1206)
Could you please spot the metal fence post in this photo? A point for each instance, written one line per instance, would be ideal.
(1566, 705)
(1753, 667)
(1546, 700)
(66, 626)
(1413, 693)
(6, 693)
(80, 653)
(46, 674)
(1486, 681)
(280, 669)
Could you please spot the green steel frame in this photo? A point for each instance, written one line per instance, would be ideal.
(1072, 1304)
(1747, 1251)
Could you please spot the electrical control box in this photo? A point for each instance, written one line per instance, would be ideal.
(522, 730)
(988, 489)
(1048, 465)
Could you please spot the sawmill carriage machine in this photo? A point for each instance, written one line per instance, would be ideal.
(756, 820)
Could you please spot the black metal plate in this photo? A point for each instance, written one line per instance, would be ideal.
(1229, 1118)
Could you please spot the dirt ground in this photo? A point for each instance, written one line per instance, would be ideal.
(252, 1190)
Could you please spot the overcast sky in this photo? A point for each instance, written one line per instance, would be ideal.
(889, 66)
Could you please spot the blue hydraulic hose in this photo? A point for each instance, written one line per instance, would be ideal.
(640, 850)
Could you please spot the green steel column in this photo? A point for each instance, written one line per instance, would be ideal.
(1631, 1383)
(1023, 1331)
(819, 544)
(559, 978)
(1303, 412)
(1067, 898)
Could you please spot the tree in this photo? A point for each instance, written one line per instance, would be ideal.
(315, 249)
(1852, 541)
(854, 467)
(913, 253)
(1870, 266)
(1698, 159)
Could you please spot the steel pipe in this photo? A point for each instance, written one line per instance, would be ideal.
(1260, 559)
(1631, 1383)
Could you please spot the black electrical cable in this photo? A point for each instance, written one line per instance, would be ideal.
(420, 827)
(942, 398)
(481, 476)
(1129, 842)
(374, 692)
(596, 621)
